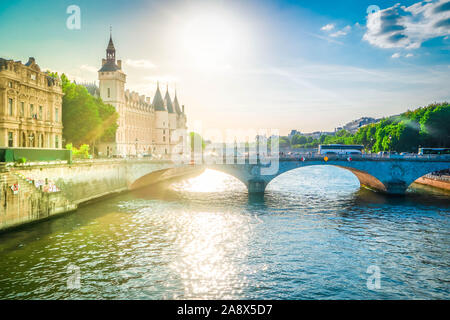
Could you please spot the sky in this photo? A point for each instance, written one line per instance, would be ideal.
(259, 64)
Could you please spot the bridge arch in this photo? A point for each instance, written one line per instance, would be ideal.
(365, 179)
(165, 175)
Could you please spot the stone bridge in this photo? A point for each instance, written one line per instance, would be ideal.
(84, 181)
(390, 175)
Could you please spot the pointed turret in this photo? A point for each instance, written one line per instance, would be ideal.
(158, 102)
(110, 63)
(168, 101)
(110, 50)
(176, 104)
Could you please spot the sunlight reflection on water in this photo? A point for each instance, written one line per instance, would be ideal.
(312, 235)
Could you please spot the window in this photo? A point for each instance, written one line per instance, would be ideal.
(10, 139)
(31, 111)
(33, 76)
(10, 84)
(40, 112)
(10, 106)
(22, 109)
(56, 114)
(109, 92)
(164, 138)
(56, 142)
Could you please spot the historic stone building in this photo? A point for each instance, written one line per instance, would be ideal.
(30, 106)
(155, 127)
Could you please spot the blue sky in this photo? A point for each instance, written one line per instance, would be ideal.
(307, 65)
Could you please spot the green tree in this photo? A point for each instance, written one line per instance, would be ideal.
(435, 125)
(284, 142)
(109, 118)
(194, 137)
(86, 119)
(298, 139)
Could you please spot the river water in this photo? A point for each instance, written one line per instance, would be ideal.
(313, 235)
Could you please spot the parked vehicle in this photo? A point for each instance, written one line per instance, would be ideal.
(423, 151)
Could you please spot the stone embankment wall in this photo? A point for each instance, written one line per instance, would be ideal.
(25, 195)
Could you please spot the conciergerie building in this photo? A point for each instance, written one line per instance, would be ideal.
(156, 127)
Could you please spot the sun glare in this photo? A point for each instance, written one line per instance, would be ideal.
(209, 181)
(210, 40)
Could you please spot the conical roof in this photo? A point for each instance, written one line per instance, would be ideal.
(158, 103)
(176, 104)
(168, 101)
(110, 44)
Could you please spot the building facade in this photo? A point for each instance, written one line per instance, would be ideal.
(146, 127)
(30, 106)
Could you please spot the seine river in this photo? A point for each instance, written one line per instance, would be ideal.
(312, 236)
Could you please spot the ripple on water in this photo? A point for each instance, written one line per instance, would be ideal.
(311, 236)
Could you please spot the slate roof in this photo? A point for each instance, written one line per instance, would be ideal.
(158, 102)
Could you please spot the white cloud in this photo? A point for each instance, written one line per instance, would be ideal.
(342, 32)
(328, 27)
(408, 27)
(409, 55)
(88, 68)
(141, 63)
(395, 55)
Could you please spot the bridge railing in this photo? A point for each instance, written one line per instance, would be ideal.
(253, 159)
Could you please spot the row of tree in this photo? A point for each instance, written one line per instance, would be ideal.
(425, 126)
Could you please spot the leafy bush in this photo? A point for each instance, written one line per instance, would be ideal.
(82, 153)
(21, 160)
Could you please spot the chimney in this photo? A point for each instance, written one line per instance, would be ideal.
(182, 108)
(119, 64)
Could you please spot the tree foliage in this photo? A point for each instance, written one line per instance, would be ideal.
(86, 119)
(425, 126)
(194, 137)
(81, 153)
